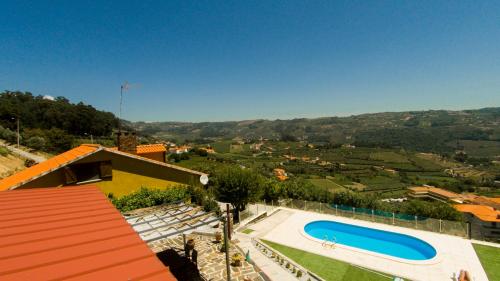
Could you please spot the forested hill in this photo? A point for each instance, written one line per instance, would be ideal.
(435, 130)
(51, 124)
(43, 113)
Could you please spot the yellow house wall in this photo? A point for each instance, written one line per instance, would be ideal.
(124, 183)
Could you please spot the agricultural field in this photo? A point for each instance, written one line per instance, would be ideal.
(385, 172)
(326, 183)
(475, 148)
(382, 183)
(222, 146)
(389, 156)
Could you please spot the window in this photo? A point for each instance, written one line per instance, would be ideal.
(88, 172)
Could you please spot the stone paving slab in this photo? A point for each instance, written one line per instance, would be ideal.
(211, 261)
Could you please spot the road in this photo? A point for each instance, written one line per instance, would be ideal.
(25, 154)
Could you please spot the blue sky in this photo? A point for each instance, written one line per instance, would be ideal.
(235, 60)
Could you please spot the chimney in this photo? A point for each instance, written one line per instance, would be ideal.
(127, 142)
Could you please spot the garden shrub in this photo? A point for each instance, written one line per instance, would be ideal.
(146, 197)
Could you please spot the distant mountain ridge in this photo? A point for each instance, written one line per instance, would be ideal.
(430, 130)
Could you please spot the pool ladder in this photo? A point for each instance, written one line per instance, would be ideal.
(326, 242)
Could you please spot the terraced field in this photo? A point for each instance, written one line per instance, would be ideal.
(326, 183)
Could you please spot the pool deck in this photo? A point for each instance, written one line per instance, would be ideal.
(453, 253)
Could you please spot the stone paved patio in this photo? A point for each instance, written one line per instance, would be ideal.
(211, 261)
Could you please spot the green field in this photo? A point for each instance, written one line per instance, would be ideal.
(326, 268)
(481, 148)
(490, 259)
(389, 156)
(340, 179)
(382, 182)
(221, 146)
(326, 183)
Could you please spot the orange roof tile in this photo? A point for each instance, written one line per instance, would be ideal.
(47, 166)
(71, 233)
(282, 178)
(495, 199)
(485, 213)
(150, 148)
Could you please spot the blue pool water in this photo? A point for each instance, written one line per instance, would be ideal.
(370, 239)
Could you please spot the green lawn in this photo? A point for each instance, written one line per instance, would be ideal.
(326, 268)
(248, 231)
(490, 259)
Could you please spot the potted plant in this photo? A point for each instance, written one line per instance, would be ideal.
(218, 236)
(299, 274)
(237, 259)
(190, 244)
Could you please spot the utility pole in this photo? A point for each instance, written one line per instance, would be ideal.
(91, 137)
(18, 131)
(17, 121)
(226, 245)
(229, 231)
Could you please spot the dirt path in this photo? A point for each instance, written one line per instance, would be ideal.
(25, 154)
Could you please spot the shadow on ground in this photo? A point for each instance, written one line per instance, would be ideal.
(182, 268)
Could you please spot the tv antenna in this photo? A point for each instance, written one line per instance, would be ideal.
(124, 87)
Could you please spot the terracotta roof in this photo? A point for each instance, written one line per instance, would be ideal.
(281, 177)
(435, 190)
(68, 157)
(147, 148)
(47, 166)
(71, 233)
(151, 148)
(495, 199)
(484, 213)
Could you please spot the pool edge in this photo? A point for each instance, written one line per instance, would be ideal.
(435, 260)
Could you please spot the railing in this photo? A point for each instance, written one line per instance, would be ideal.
(283, 261)
(253, 210)
(429, 224)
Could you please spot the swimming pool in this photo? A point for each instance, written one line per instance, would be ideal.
(370, 239)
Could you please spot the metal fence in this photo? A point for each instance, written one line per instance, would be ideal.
(429, 224)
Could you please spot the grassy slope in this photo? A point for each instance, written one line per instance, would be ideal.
(326, 268)
(490, 259)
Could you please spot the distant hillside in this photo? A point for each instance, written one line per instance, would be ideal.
(434, 130)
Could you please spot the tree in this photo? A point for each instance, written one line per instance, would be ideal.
(59, 140)
(238, 186)
(37, 143)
